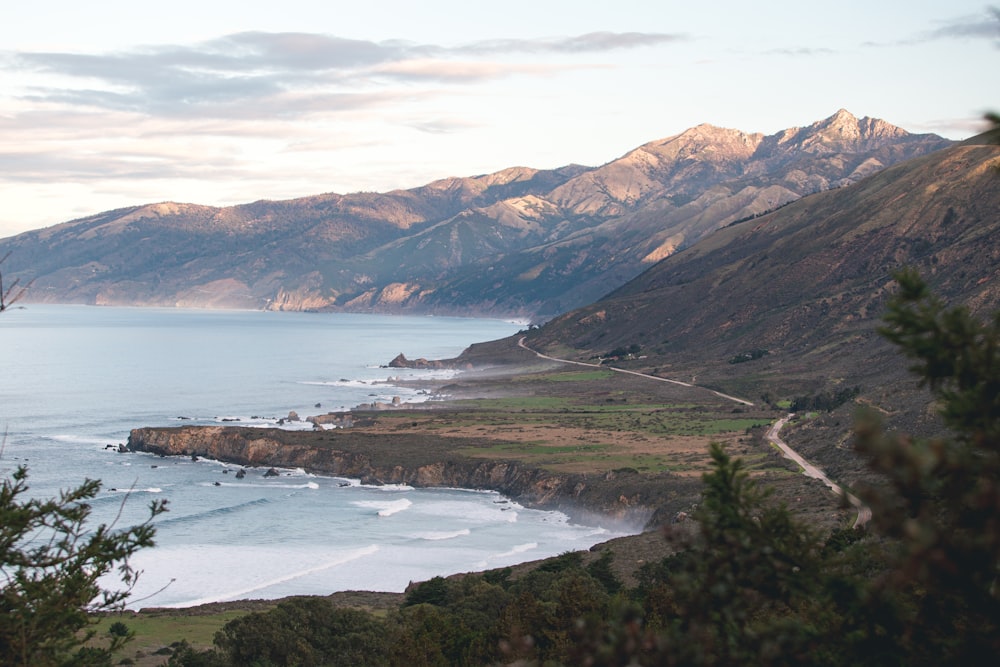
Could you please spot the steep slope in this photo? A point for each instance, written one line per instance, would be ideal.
(808, 282)
(518, 242)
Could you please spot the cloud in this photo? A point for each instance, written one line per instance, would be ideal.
(441, 125)
(979, 26)
(982, 26)
(283, 73)
(465, 71)
(587, 43)
(804, 51)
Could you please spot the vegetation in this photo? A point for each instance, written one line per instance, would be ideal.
(824, 401)
(749, 355)
(748, 583)
(13, 292)
(52, 565)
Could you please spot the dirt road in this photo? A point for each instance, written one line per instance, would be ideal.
(809, 470)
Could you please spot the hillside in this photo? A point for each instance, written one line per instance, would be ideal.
(787, 305)
(520, 242)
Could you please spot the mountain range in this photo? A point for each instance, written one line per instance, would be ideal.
(520, 242)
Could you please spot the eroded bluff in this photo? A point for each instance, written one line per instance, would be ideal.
(625, 496)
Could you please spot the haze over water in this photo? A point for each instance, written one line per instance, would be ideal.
(76, 379)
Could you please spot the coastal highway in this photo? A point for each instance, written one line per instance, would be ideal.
(520, 343)
(808, 469)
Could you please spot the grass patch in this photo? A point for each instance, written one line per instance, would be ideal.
(515, 404)
(578, 376)
(153, 632)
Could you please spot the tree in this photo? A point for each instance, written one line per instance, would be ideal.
(51, 565)
(941, 499)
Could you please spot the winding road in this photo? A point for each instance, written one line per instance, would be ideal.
(808, 469)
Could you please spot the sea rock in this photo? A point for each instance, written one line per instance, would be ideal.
(334, 419)
(402, 362)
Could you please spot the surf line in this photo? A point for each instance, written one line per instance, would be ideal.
(240, 594)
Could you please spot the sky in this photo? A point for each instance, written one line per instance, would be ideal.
(106, 104)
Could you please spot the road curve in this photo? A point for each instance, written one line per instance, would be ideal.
(809, 470)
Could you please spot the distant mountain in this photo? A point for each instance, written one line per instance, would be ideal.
(519, 242)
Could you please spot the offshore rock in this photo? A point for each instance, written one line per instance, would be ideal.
(402, 362)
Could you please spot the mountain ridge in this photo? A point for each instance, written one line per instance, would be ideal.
(518, 242)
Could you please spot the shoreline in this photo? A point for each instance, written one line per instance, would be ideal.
(630, 499)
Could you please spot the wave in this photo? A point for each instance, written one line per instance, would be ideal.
(240, 485)
(385, 508)
(442, 535)
(335, 383)
(472, 512)
(117, 491)
(513, 552)
(85, 440)
(218, 511)
(283, 579)
(119, 495)
(519, 549)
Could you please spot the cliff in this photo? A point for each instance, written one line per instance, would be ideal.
(384, 458)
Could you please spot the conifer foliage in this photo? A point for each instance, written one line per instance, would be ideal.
(51, 566)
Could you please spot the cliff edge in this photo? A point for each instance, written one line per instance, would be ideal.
(624, 496)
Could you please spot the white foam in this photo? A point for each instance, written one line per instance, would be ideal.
(388, 487)
(442, 535)
(335, 383)
(519, 549)
(463, 510)
(261, 485)
(118, 491)
(85, 440)
(283, 579)
(385, 508)
(514, 552)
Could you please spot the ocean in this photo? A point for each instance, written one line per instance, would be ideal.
(75, 380)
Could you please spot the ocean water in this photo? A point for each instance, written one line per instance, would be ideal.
(75, 379)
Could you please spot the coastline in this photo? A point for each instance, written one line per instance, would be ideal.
(380, 456)
(376, 457)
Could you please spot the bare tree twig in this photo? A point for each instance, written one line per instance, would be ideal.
(10, 296)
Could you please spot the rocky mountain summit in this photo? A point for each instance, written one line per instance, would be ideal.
(519, 242)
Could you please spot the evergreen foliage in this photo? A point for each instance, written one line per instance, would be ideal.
(825, 401)
(51, 564)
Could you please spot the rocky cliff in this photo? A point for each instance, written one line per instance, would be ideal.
(624, 496)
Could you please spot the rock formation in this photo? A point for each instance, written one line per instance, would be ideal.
(628, 497)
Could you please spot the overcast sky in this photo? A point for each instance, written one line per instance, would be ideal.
(109, 103)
